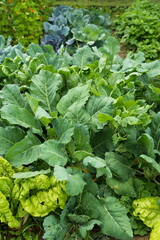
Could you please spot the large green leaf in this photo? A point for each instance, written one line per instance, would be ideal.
(150, 162)
(82, 137)
(91, 205)
(83, 56)
(75, 183)
(8, 137)
(44, 87)
(87, 227)
(115, 222)
(99, 164)
(53, 153)
(120, 165)
(122, 188)
(20, 116)
(146, 145)
(102, 142)
(95, 162)
(10, 94)
(111, 47)
(64, 129)
(24, 175)
(155, 128)
(24, 152)
(39, 112)
(90, 33)
(131, 142)
(77, 114)
(79, 94)
(97, 105)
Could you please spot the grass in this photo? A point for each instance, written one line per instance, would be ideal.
(98, 3)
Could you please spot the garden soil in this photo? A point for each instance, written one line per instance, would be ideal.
(146, 237)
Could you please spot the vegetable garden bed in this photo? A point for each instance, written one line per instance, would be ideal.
(79, 134)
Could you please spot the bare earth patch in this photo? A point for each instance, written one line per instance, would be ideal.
(146, 237)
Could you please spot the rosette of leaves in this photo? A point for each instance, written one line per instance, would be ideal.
(39, 195)
(90, 34)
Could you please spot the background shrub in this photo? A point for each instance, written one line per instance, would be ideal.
(139, 28)
(23, 19)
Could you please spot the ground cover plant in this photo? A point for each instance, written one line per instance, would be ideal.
(79, 139)
(23, 20)
(138, 28)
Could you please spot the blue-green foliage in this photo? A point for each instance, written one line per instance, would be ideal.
(70, 26)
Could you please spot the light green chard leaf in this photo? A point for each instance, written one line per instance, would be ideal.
(44, 87)
(155, 232)
(8, 137)
(40, 195)
(120, 165)
(6, 186)
(10, 94)
(115, 222)
(6, 169)
(20, 116)
(79, 94)
(24, 152)
(148, 211)
(53, 153)
(6, 214)
(75, 183)
(64, 129)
